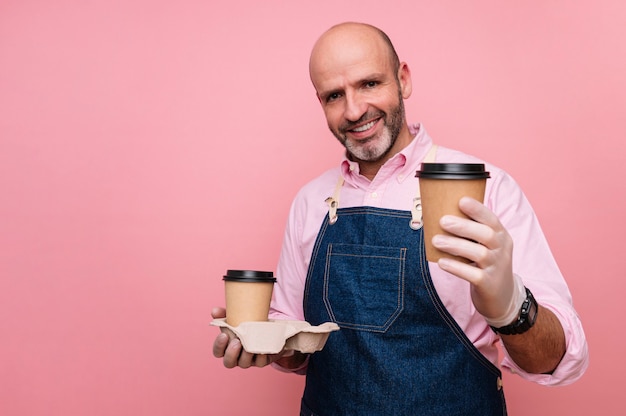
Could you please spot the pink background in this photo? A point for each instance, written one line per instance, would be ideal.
(148, 146)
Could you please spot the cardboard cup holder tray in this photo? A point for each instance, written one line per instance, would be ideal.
(272, 336)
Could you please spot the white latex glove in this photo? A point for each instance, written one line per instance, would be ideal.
(517, 299)
(496, 292)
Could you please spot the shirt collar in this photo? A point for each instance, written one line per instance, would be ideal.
(402, 165)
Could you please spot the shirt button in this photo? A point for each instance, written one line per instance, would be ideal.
(400, 177)
(374, 195)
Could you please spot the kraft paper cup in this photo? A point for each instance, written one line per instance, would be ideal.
(442, 185)
(248, 295)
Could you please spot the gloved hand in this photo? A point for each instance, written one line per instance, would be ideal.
(496, 292)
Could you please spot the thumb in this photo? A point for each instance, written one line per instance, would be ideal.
(218, 312)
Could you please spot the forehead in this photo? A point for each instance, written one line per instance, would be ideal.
(348, 58)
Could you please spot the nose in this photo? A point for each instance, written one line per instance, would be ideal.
(355, 107)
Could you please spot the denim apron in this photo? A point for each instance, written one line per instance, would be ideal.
(399, 351)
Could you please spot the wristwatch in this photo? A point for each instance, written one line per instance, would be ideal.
(527, 317)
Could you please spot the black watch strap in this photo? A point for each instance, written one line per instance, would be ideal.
(526, 319)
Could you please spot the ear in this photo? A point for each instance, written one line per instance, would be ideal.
(404, 77)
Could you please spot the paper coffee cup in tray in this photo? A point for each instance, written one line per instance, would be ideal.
(248, 295)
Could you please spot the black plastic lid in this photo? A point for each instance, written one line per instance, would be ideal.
(249, 276)
(452, 171)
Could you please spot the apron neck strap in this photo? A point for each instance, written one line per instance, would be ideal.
(416, 209)
(333, 201)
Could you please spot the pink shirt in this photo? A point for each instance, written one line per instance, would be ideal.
(394, 187)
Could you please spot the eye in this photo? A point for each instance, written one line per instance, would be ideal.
(332, 97)
(371, 84)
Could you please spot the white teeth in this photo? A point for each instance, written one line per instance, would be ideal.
(364, 127)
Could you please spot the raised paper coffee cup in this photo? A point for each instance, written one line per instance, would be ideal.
(248, 295)
(442, 185)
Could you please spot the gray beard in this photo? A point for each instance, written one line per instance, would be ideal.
(382, 144)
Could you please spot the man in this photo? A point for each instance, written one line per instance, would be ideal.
(416, 337)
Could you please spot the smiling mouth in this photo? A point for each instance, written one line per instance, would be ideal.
(364, 127)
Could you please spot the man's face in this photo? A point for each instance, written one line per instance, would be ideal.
(361, 95)
(375, 144)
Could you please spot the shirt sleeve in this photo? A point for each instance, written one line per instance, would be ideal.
(287, 297)
(534, 262)
(291, 271)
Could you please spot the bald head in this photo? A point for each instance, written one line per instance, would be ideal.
(349, 38)
(361, 85)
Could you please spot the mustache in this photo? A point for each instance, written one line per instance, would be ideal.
(370, 115)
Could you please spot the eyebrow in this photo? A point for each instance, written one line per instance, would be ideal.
(376, 76)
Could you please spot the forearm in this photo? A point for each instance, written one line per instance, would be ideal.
(540, 349)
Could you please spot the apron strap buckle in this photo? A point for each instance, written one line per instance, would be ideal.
(332, 210)
(416, 214)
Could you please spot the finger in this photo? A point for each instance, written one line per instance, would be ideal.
(461, 247)
(218, 313)
(219, 345)
(246, 359)
(463, 227)
(472, 230)
(478, 212)
(486, 229)
(465, 271)
(232, 352)
(261, 360)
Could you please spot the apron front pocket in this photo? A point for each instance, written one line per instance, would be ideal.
(364, 285)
